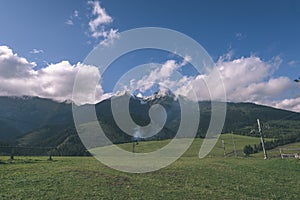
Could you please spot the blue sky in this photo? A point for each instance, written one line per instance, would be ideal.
(59, 30)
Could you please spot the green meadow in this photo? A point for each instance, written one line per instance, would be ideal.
(214, 177)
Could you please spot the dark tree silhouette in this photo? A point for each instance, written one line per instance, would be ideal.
(248, 149)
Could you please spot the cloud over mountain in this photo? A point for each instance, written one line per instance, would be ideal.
(246, 79)
(18, 77)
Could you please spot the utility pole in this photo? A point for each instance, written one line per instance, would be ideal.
(12, 153)
(262, 139)
(133, 147)
(223, 145)
(234, 150)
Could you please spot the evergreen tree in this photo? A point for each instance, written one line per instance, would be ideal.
(248, 149)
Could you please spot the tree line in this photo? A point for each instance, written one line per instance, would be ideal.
(281, 140)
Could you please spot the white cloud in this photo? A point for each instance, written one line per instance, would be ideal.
(11, 65)
(262, 91)
(101, 16)
(97, 25)
(293, 63)
(55, 81)
(109, 37)
(76, 13)
(288, 104)
(247, 79)
(186, 60)
(71, 19)
(243, 78)
(69, 22)
(160, 75)
(36, 51)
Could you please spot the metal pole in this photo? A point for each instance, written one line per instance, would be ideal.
(262, 139)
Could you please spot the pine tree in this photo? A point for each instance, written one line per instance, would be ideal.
(248, 149)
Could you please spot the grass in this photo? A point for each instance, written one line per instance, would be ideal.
(213, 177)
(295, 148)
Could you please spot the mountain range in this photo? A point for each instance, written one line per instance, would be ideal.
(34, 121)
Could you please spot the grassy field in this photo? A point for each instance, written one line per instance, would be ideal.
(213, 177)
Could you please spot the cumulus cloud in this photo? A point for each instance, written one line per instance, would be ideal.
(161, 75)
(18, 78)
(101, 18)
(56, 81)
(249, 80)
(98, 25)
(288, 104)
(11, 65)
(109, 37)
(246, 79)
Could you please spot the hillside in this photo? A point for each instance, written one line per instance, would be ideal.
(20, 115)
(32, 121)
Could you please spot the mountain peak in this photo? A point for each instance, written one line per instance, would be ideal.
(159, 94)
(122, 93)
